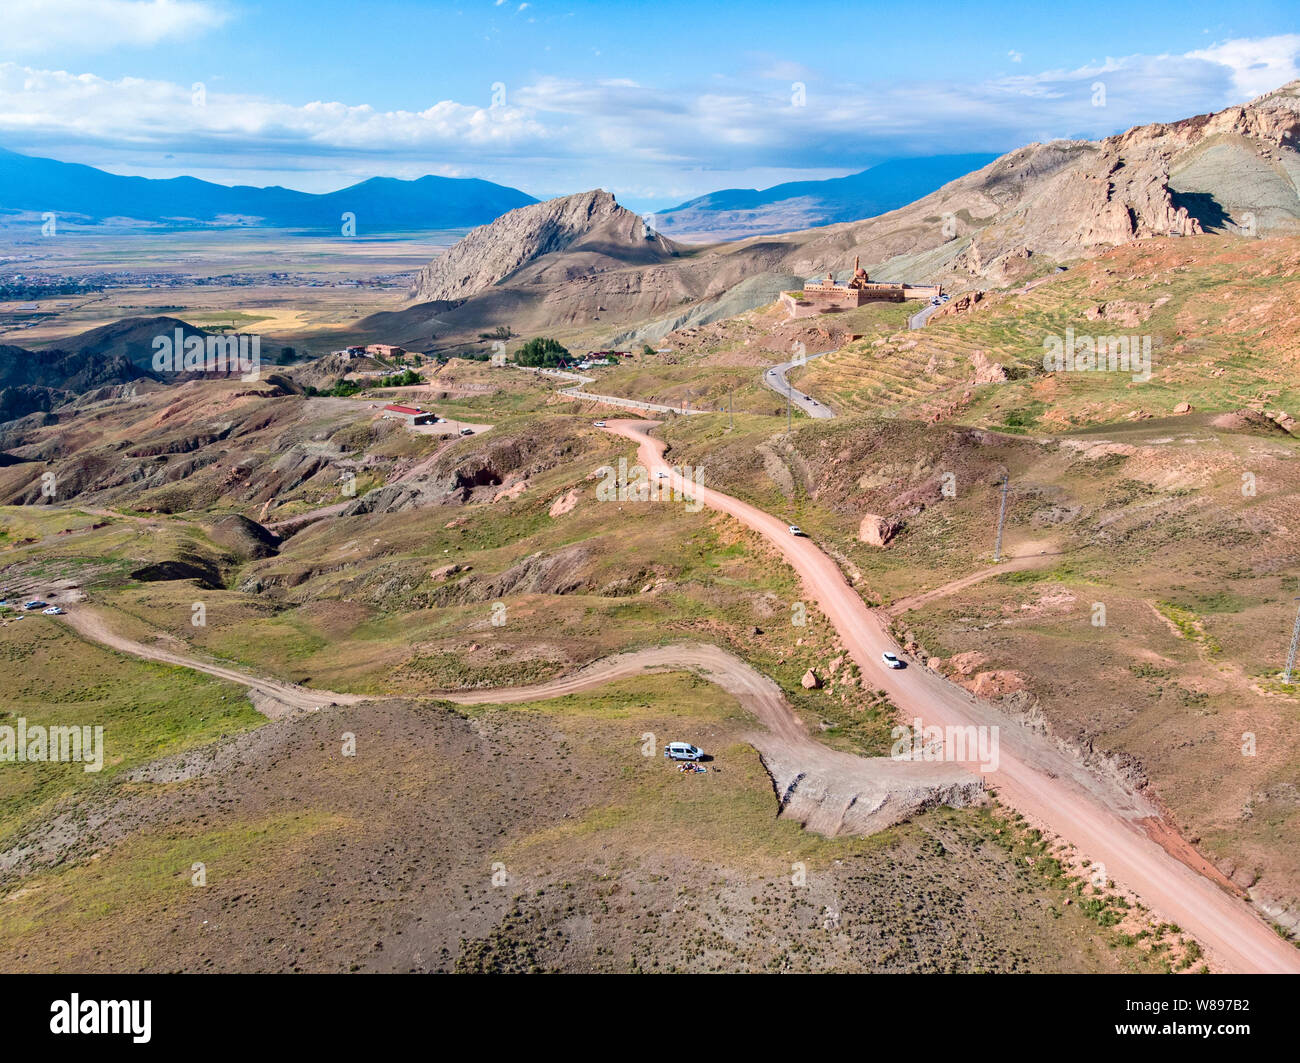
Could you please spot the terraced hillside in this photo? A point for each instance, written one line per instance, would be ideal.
(1220, 314)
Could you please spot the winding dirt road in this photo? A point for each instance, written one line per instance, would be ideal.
(825, 790)
(1107, 824)
(271, 697)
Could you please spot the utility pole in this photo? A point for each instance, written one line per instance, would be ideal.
(1002, 513)
(1295, 640)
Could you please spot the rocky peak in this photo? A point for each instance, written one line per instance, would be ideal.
(491, 252)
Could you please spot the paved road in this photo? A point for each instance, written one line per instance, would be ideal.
(774, 379)
(921, 317)
(627, 404)
(1106, 823)
(578, 394)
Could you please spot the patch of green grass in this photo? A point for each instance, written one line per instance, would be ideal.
(50, 676)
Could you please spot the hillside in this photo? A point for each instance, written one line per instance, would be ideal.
(380, 204)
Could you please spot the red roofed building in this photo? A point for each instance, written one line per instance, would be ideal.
(409, 414)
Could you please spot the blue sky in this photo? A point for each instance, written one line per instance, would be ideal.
(654, 101)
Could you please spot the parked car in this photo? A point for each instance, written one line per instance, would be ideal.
(795, 529)
(683, 751)
(53, 610)
(891, 660)
(35, 604)
(467, 431)
(597, 424)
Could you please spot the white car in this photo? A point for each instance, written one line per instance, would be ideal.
(683, 751)
(597, 424)
(53, 610)
(891, 660)
(795, 530)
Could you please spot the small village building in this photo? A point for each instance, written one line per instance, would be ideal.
(385, 350)
(409, 414)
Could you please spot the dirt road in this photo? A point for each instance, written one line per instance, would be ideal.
(826, 791)
(272, 698)
(1107, 824)
(1020, 563)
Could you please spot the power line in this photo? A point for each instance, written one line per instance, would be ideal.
(1002, 514)
(1295, 640)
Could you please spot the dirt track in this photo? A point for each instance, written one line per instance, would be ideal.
(1021, 563)
(826, 791)
(1107, 824)
(272, 698)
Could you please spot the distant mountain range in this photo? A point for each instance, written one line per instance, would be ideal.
(386, 204)
(381, 204)
(738, 212)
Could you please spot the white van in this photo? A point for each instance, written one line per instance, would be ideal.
(683, 751)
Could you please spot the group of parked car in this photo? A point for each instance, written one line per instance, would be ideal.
(34, 604)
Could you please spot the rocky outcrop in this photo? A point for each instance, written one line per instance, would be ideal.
(877, 531)
(492, 252)
(987, 371)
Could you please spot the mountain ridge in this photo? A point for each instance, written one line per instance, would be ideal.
(31, 183)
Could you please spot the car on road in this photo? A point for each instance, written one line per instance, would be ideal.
(467, 431)
(597, 424)
(891, 660)
(683, 751)
(795, 530)
(53, 610)
(35, 604)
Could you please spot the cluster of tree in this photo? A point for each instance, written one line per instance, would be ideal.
(542, 351)
(345, 389)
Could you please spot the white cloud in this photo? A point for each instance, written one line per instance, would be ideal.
(1257, 65)
(571, 133)
(1015, 56)
(41, 26)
